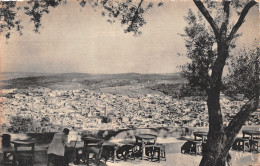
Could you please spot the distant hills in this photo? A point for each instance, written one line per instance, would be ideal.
(112, 83)
(14, 75)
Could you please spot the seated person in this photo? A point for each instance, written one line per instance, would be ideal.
(56, 150)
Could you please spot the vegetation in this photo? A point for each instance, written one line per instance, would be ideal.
(21, 124)
(209, 51)
(169, 89)
(129, 12)
(242, 78)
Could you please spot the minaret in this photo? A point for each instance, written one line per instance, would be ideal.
(105, 110)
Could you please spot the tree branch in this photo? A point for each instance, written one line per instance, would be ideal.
(223, 28)
(241, 19)
(242, 116)
(208, 17)
(136, 14)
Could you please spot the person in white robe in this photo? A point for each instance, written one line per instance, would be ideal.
(57, 148)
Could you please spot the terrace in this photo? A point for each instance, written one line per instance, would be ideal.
(172, 140)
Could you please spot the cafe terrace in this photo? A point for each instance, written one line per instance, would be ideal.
(141, 146)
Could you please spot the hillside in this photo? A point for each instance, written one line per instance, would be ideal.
(128, 83)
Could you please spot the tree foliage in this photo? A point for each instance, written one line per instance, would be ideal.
(199, 41)
(129, 12)
(8, 18)
(201, 47)
(243, 73)
(21, 124)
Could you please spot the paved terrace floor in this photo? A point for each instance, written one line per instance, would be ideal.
(175, 158)
(173, 155)
(179, 159)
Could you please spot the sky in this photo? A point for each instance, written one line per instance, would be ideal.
(76, 39)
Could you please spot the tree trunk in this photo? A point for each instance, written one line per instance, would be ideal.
(220, 142)
(215, 153)
(216, 150)
(221, 139)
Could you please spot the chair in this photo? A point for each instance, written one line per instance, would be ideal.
(254, 144)
(191, 146)
(138, 149)
(240, 144)
(196, 147)
(185, 148)
(144, 144)
(7, 157)
(94, 147)
(126, 151)
(160, 150)
(23, 153)
(7, 150)
(108, 152)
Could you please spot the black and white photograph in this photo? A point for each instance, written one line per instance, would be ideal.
(129, 83)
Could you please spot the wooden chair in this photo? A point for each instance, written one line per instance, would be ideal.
(126, 151)
(108, 152)
(143, 146)
(159, 149)
(23, 153)
(7, 157)
(196, 147)
(7, 150)
(185, 148)
(254, 145)
(94, 147)
(240, 144)
(191, 146)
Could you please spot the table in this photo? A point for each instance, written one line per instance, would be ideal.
(251, 133)
(89, 139)
(40, 152)
(200, 134)
(19, 142)
(115, 148)
(107, 145)
(25, 152)
(93, 145)
(145, 138)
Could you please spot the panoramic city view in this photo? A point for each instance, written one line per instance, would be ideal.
(129, 82)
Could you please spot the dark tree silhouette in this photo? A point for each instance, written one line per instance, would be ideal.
(129, 12)
(209, 49)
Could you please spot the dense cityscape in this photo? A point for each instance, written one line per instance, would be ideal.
(46, 110)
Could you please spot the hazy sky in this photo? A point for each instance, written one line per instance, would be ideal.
(75, 39)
